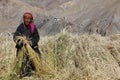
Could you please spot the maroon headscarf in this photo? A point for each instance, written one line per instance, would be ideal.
(32, 26)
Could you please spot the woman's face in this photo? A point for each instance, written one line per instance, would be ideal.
(27, 19)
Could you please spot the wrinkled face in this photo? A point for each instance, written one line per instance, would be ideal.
(27, 19)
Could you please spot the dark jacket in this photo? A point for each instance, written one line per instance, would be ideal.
(33, 37)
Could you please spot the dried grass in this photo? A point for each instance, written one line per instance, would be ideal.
(74, 57)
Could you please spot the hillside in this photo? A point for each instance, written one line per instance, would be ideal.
(90, 16)
(78, 16)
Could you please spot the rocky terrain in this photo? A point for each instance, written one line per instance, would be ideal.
(77, 16)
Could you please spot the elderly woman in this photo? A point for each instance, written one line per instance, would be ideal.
(27, 29)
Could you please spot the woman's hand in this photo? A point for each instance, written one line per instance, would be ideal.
(20, 43)
(30, 42)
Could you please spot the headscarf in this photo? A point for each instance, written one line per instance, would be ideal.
(32, 26)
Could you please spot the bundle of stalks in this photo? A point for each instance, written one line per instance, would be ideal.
(34, 57)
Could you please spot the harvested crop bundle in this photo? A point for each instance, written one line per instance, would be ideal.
(26, 57)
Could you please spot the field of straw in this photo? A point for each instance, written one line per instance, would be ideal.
(70, 57)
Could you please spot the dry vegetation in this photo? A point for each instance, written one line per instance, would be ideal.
(70, 57)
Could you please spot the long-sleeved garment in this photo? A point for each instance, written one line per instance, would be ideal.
(34, 37)
(26, 31)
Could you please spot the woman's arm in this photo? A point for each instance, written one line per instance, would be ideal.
(16, 34)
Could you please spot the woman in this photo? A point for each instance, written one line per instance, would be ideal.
(27, 29)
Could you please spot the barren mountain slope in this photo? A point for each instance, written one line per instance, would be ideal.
(78, 16)
(92, 16)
